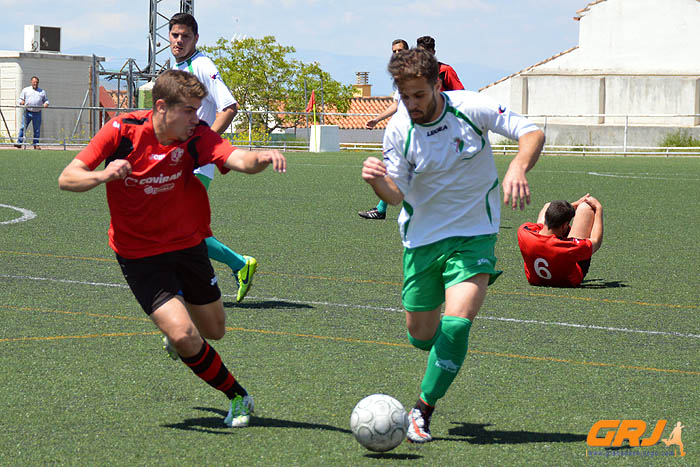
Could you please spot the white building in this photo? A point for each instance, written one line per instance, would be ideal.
(66, 80)
(635, 57)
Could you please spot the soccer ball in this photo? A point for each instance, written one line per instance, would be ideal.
(379, 422)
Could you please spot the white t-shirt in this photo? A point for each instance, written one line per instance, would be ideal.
(218, 98)
(446, 170)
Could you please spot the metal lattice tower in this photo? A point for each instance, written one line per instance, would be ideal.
(158, 34)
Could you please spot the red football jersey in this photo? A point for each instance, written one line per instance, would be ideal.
(550, 260)
(450, 80)
(161, 206)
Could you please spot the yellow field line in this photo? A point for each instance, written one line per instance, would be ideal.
(87, 336)
(398, 284)
(319, 337)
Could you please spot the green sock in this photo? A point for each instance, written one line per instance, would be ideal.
(381, 207)
(217, 250)
(425, 345)
(223, 254)
(446, 358)
(204, 179)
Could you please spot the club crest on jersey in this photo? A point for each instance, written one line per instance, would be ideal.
(176, 155)
(501, 109)
(459, 145)
(216, 76)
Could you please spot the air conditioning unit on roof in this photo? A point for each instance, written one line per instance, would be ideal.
(41, 38)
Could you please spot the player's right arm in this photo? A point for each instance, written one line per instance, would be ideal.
(374, 172)
(77, 176)
(80, 175)
(388, 112)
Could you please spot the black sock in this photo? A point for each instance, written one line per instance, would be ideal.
(424, 408)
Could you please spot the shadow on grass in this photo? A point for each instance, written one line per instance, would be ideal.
(476, 433)
(267, 304)
(389, 455)
(601, 284)
(215, 424)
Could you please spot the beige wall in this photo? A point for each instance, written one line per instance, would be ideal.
(65, 78)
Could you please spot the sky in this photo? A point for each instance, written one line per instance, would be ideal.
(483, 40)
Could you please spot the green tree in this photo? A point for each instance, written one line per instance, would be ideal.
(262, 76)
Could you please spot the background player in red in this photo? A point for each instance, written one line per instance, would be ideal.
(448, 75)
(160, 217)
(557, 253)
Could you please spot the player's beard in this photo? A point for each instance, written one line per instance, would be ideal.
(427, 116)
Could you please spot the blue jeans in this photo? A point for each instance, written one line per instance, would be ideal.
(35, 119)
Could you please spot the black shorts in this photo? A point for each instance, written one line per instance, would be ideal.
(585, 265)
(156, 279)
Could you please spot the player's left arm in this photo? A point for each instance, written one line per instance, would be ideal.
(492, 116)
(251, 162)
(516, 189)
(224, 118)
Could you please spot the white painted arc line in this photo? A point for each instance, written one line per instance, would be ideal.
(376, 308)
(26, 214)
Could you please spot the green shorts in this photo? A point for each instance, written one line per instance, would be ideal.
(430, 269)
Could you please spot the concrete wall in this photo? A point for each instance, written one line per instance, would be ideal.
(652, 95)
(9, 84)
(604, 135)
(610, 95)
(65, 78)
(572, 95)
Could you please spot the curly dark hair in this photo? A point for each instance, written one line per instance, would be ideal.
(414, 63)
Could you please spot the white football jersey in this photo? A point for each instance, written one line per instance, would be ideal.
(218, 98)
(446, 170)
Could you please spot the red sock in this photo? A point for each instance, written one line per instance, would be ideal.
(208, 365)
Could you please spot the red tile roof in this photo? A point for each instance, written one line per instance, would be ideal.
(588, 7)
(358, 105)
(361, 105)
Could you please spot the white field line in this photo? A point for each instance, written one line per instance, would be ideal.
(640, 177)
(399, 310)
(26, 214)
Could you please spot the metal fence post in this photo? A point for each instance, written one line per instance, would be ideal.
(250, 130)
(624, 142)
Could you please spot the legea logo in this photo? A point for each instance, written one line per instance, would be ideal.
(613, 433)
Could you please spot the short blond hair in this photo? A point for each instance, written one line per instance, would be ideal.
(173, 86)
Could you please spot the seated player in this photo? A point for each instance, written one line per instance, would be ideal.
(557, 253)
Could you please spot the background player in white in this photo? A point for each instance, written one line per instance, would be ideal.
(379, 211)
(218, 109)
(438, 163)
